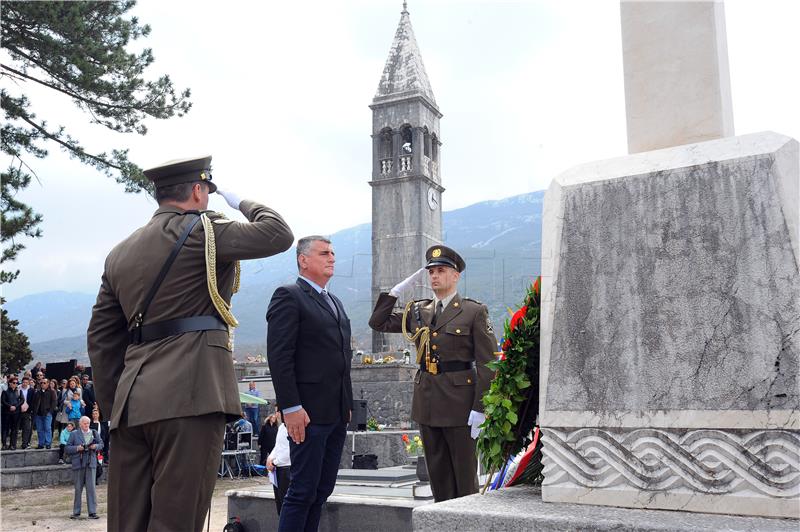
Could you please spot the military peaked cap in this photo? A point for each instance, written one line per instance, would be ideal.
(182, 171)
(444, 256)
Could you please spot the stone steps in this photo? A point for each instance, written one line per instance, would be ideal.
(28, 457)
(35, 476)
(32, 468)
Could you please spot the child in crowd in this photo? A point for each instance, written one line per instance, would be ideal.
(63, 441)
(75, 409)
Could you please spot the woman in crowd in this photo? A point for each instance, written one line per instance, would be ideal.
(55, 425)
(102, 428)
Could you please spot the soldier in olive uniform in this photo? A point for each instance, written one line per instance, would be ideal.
(160, 346)
(455, 341)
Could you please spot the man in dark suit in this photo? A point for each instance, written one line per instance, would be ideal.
(178, 340)
(308, 347)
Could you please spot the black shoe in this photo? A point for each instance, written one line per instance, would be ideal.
(25, 446)
(12, 448)
(93, 516)
(75, 516)
(46, 446)
(40, 447)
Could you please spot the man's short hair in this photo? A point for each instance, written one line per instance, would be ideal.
(304, 245)
(85, 375)
(179, 192)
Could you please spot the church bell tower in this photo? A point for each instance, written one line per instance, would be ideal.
(406, 180)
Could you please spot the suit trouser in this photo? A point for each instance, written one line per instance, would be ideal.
(25, 423)
(451, 459)
(84, 477)
(163, 473)
(315, 464)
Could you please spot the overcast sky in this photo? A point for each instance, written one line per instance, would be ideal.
(281, 93)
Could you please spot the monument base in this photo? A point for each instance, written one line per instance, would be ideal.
(521, 509)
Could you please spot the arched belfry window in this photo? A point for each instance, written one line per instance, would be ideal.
(426, 141)
(435, 148)
(386, 152)
(406, 148)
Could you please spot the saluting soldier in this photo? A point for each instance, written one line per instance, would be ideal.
(455, 340)
(160, 345)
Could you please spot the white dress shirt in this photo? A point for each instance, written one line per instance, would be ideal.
(280, 453)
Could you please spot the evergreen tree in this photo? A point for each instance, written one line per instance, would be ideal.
(77, 49)
(15, 350)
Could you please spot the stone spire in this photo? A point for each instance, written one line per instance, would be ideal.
(404, 73)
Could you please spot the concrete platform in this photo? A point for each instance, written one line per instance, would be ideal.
(356, 508)
(520, 509)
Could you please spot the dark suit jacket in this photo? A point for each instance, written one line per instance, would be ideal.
(196, 367)
(309, 353)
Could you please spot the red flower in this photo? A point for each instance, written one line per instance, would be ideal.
(517, 317)
(507, 345)
(405, 438)
(501, 356)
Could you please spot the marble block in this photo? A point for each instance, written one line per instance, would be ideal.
(677, 80)
(671, 329)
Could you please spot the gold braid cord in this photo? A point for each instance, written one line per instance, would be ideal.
(222, 306)
(424, 346)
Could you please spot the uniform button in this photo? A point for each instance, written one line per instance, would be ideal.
(458, 331)
(435, 334)
(469, 381)
(455, 304)
(416, 329)
(434, 347)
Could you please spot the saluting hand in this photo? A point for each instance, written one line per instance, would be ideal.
(296, 424)
(233, 199)
(404, 290)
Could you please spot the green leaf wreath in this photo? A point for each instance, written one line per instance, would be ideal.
(511, 403)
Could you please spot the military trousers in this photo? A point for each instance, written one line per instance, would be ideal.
(163, 473)
(451, 460)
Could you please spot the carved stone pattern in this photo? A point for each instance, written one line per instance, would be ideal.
(716, 462)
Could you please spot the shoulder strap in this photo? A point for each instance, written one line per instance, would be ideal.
(139, 319)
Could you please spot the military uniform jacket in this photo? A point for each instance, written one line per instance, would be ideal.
(183, 375)
(462, 333)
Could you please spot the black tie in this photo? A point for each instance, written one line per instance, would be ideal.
(330, 303)
(437, 314)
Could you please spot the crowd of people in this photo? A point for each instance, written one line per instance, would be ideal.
(54, 409)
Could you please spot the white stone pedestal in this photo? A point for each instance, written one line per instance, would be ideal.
(671, 329)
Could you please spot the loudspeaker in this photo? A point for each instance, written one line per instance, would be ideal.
(359, 419)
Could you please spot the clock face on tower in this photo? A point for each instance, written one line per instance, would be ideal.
(433, 198)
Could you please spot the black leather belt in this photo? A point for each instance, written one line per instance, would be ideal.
(445, 367)
(163, 329)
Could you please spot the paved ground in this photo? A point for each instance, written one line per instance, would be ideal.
(49, 508)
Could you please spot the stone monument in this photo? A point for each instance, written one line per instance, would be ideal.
(406, 181)
(671, 294)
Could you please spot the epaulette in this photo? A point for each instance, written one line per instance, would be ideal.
(473, 300)
(217, 217)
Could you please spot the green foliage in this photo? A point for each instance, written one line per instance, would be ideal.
(15, 349)
(372, 424)
(511, 386)
(77, 49)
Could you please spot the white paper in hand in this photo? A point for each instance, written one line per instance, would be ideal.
(272, 478)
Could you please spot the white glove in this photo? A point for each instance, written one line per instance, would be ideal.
(404, 290)
(475, 421)
(232, 199)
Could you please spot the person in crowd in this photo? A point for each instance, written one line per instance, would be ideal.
(75, 408)
(72, 387)
(266, 436)
(54, 424)
(25, 417)
(309, 354)
(62, 440)
(88, 393)
(102, 428)
(279, 462)
(457, 343)
(178, 342)
(251, 409)
(44, 402)
(4, 384)
(12, 401)
(82, 446)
